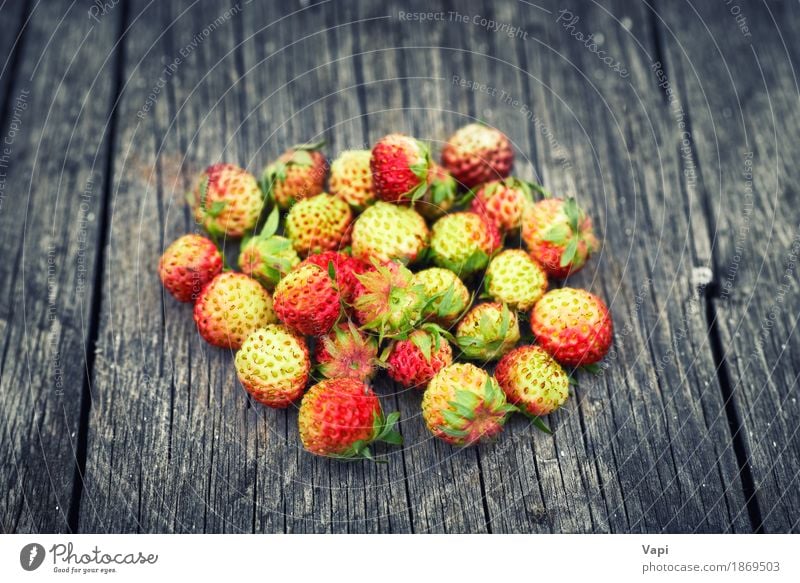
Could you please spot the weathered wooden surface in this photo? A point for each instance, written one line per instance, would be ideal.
(691, 427)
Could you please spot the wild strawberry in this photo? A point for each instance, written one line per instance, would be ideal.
(532, 380)
(413, 362)
(226, 200)
(306, 300)
(559, 235)
(273, 365)
(268, 257)
(399, 165)
(573, 325)
(346, 352)
(340, 418)
(388, 303)
(297, 174)
(187, 265)
(447, 295)
(320, 223)
(476, 154)
(503, 202)
(230, 307)
(515, 279)
(440, 196)
(462, 242)
(351, 179)
(386, 232)
(464, 405)
(345, 269)
(487, 332)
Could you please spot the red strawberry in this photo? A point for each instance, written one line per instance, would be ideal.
(226, 201)
(476, 154)
(187, 265)
(503, 202)
(559, 235)
(346, 269)
(414, 361)
(399, 167)
(306, 300)
(346, 352)
(299, 173)
(341, 417)
(573, 325)
(230, 307)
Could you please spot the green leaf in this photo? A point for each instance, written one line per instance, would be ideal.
(541, 425)
(452, 418)
(569, 253)
(418, 192)
(420, 170)
(271, 226)
(540, 189)
(216, 208)
(310, 146)
(388, 429)
(453, 432)
(462, 410)
(557, 234)
(573, 213)
(301, 158)
(423, 342)
(593, 368)
(203, 191)
(447, 303)
(331, 270)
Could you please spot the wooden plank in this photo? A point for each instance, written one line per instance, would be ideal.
(13, 16)
(643, 447)
(742, 101)
(55, 130)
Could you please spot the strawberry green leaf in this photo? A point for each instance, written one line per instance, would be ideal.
(423, 342)
(310, 146)
(271, 226)
(203, 191)
(452, 418)
(457, 433)
(387, 431)
(216, 208)
(420, 170)
(540, 189)
(593, 368)
(557, 234)
(541, 425)
(569, 253)
(331, 270)
(301, 158)
(573, 213)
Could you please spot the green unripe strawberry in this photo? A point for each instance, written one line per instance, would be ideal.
(268, 257)
(447, 295)
(487, 332)
(464, 405)
(532, 380)
(463, 242)
(515, 279)
(389, 232)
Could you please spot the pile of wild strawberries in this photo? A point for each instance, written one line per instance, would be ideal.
(337, 282)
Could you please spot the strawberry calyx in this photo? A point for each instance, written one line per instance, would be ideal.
(384, 430)
(568, 234)
(473, 416)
